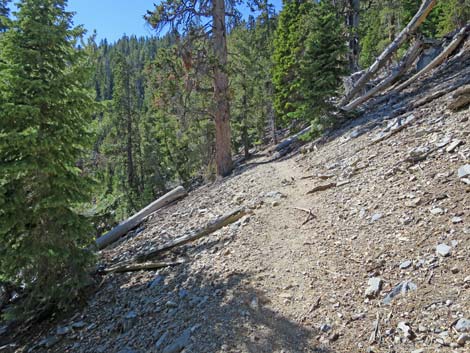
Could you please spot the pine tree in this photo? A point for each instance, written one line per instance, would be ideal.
(4, 12)
(44, 120)
(323, 64)
(288, 50)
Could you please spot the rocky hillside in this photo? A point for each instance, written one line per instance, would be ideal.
(357, 243)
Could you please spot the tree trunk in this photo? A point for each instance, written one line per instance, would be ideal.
(270, 113)
(209, 228)
(404, 35)
(353, 24)
(246, 142)
(223, 153)
(124, 227)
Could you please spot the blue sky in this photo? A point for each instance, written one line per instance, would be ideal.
(113, 18)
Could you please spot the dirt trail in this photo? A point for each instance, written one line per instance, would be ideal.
(273, 282)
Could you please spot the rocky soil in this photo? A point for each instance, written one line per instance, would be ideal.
(382, 263)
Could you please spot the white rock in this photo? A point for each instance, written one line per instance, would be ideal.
(464, 171)
(443, 250)
(374, 287)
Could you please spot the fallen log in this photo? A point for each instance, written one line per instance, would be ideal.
(147, 266)
(211, 227)
(125, 226)
(437, 60)
(406, 62)
(405, 34)
(292, 139)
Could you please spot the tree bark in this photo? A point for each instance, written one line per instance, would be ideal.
(270, 113)
(148, 266)
(124, 227)
(211, 227)
(223, 153)
(405, 64)
(405, 34)
(353, 24)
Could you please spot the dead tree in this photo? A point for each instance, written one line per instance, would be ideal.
(437, 60)
(405, 34)
(406, 62)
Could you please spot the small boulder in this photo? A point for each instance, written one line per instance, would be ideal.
(374, 287)
(401, 288)
(443, 250)
(463, 325)
(405, 265)
(464, 171)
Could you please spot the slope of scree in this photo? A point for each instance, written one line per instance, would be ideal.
(280, 280)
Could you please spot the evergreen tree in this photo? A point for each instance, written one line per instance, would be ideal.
(288, 49)
(126, 116)
(323, 64)
(44, 120)
(4, 12)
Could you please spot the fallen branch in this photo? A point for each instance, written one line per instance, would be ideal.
(437, 60)
(321, 188)
(294, 138)
(211, 227)
(124, 227)
(407, 32)
(375, 331)
(147, 266)
(310, 215)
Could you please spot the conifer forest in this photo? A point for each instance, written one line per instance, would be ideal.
(97, 135)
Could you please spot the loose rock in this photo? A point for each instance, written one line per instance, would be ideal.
(180, 343)
(374, 287)
(401, 288)
(464, 171)
(406, 264)
(463, 325)
(443, 250)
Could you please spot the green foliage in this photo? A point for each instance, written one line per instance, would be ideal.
(288, 50)
(309, 59)
(323, 65)
(4, 12)
(383, 20)
(44, 133)
(250, 51)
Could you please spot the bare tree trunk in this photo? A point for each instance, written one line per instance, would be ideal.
(223, 153)
(405, 34)
(353, 24)
(438, 59)
(125, 226)
(407, 61)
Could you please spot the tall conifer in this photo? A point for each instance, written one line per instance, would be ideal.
(44, 119)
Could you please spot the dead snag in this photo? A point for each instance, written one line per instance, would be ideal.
(405, 34)
(438, 60)
(406, 62)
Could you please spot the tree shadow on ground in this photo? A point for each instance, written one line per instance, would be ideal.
(151, 311)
